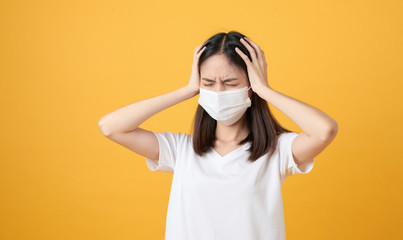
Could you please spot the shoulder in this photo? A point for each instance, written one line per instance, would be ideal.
(178, 137)
(285, 139)
(184, 136)
(286, 136)
(174, 138)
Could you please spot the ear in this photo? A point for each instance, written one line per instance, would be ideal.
(250, 92)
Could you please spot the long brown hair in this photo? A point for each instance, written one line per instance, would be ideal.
(264, 127)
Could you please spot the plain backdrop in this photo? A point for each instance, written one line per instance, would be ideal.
(65, 64)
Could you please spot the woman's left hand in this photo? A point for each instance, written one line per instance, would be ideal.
(257, 68)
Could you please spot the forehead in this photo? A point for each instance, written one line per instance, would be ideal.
(218, 66)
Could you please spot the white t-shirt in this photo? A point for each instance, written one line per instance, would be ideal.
(218, 197)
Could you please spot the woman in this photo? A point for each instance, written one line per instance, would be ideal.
(228, 174)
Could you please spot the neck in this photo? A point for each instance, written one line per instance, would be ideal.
(235, 132)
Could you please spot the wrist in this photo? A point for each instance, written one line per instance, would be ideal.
(262, 88)
(191, 90)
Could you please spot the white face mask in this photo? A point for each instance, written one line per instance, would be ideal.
(225, 106)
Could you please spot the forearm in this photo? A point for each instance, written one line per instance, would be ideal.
(129, 117)
(311, 120)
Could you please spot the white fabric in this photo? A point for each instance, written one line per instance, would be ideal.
(218, 197)
(227, 106)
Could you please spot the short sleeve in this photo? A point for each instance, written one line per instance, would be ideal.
(288, 167)
(168, 144)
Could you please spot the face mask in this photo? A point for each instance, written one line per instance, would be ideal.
(225, 106)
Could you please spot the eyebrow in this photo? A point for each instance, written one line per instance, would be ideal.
(226, 80)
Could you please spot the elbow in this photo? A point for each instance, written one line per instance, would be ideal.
(103, 127)
(331, 131)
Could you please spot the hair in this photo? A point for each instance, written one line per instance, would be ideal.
(263, 127)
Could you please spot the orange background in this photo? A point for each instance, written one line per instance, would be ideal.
(66, 64)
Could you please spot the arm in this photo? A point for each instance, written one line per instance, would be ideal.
(122, 125)
(312, 121)
(129, 117)
(318, 128)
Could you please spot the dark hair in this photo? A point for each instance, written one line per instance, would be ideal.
(263, 126)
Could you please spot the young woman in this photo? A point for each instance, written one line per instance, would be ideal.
(228, 174)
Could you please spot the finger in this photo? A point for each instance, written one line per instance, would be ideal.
(250, 49)
(264, 59)
(243, 56)
(198, 48)
(259, 51)
(200, 52)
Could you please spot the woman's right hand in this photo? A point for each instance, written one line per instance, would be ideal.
(194, 82)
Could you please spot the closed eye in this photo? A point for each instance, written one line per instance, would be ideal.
(225, 81)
